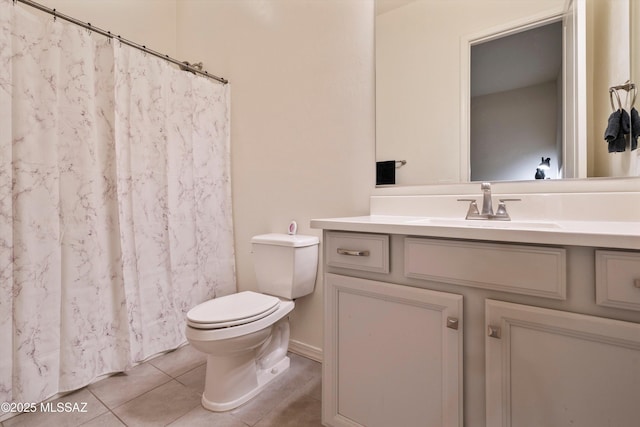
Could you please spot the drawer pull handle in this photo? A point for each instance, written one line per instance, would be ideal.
(636, 283)
(352, 252)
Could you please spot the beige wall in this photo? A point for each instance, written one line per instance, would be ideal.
(302, 119)
(302, 134)
(528, 120)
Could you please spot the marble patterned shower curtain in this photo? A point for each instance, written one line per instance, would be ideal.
(115, 204)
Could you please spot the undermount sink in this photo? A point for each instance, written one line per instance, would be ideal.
(480, 223)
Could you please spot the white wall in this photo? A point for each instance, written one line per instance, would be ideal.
(302, 135)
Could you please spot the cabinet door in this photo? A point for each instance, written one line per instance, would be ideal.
(392, 355)
(553, 368)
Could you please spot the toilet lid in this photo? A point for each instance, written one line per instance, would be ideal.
(232, 310)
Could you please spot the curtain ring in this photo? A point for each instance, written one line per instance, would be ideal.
(55, 16)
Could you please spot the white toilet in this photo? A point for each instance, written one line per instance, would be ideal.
(246, 335)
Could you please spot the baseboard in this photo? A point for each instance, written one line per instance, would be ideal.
(305, 350)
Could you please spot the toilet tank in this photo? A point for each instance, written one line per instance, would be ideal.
(285, 265)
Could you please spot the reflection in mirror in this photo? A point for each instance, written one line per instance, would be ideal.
(516, 106)
(635, 59)
(635, 46)
(418, 80)
(612, 62)
(421, 94)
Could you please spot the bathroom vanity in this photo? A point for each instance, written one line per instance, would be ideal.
(438, 321)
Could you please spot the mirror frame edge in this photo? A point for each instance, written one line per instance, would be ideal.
(591, 185)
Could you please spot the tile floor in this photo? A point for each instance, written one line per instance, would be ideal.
(166, 391)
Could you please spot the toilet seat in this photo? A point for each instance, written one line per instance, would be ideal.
(232, 310)
(284, 308)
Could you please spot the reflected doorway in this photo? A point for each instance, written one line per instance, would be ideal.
(516, 110)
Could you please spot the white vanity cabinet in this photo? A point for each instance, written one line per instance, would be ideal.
(618, 279)
(551, 333)
(555, 368)
(392, 354)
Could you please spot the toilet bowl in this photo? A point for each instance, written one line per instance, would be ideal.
(241, 359)
(246, 335)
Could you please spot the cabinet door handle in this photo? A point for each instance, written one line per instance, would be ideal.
(494, 331)
(352, 252)
(452, 323)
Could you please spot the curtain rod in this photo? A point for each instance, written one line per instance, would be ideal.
(87, 25)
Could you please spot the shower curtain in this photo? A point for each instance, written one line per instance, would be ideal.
(115, 204)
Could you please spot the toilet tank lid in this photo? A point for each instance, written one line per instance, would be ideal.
(292, 240)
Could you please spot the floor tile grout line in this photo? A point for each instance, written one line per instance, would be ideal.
(147, 392)
(168, 379)
(190, 370)
(179, 374)
(186, 372)
(165, 381)
(109, 409)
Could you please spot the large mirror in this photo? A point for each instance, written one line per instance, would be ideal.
(635, 47)
(424, 107)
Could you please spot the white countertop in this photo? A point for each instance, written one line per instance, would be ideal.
(599, 234)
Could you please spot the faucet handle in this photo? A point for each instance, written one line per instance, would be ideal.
(501, 212)
(473, 201)
(473, 208)
(485, 186)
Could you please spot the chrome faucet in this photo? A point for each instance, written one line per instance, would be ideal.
(487, 206)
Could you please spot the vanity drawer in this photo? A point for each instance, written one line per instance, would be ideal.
(528, 270)
(618, 279)
(358, 251)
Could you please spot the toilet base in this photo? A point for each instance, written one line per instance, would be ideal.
(264, 376)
